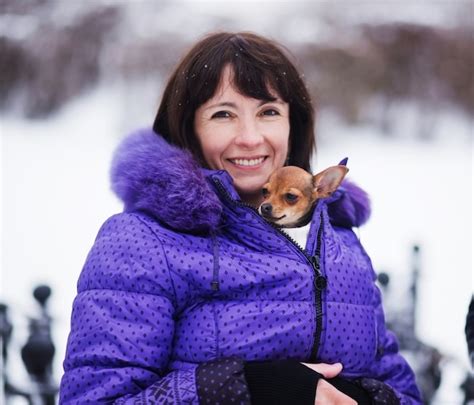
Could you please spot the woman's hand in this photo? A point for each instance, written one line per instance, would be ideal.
(327, 370)
(326, 394)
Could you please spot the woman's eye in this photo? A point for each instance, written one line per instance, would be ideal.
(221, 114)
(271, 113)
(291, 198)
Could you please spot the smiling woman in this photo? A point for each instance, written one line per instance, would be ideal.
(255, 68)
(249, 138)
(190, 296)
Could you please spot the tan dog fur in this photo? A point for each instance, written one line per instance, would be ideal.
(291, 193)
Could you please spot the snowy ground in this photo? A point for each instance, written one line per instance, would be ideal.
(55, 195)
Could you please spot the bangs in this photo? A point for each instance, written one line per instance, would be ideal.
(256, 75)
(251, 83)
(262, 69)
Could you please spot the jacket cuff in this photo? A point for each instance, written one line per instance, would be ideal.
(221, 382)
(380, 392)
(281, 382)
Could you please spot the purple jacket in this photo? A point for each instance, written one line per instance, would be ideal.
(188, 283)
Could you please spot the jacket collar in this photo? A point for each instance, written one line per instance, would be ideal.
(150, 175)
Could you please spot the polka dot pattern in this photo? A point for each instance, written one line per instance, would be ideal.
(381, 393)
(350, 327)
(146, 313)
(216, 388)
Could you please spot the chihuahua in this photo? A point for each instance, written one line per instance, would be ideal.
(291, 193)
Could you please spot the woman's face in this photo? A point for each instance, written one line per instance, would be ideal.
(245, 136)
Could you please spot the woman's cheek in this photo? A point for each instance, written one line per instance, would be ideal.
(213, 154)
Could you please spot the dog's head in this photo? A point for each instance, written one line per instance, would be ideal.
(291, 192)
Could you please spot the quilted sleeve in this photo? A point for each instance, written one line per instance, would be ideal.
(122, 325)
(391, 368)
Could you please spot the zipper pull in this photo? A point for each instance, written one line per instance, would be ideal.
(315, 263)
(320, 282)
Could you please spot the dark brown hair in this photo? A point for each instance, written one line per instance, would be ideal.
(258, 63)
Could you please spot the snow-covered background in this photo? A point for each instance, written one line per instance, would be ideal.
(55, 190)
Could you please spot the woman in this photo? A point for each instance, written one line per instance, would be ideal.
(189, 296)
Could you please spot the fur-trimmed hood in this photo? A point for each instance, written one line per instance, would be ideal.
(150, 175)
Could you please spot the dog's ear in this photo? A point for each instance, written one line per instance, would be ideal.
(327, 181)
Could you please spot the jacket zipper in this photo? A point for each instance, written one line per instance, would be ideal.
(320, 282)
(215, 273)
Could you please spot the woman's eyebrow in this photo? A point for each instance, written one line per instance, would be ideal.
(223, 104)
(233, 105)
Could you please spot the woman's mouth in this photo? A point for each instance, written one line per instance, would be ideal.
(248, 163)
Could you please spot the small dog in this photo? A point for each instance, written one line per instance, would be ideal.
(291, 193)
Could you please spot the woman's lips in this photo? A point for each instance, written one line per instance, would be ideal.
(248, 163)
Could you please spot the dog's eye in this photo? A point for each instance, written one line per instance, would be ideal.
(291, 198)
(265, 192)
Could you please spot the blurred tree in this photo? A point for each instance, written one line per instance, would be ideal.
(56, 61)
(66, 48)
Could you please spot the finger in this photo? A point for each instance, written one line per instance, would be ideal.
(326, 394)
(327, 370)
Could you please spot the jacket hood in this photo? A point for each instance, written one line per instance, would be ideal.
(150, 175)
(349, 206)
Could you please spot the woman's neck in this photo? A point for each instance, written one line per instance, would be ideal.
(252, 199)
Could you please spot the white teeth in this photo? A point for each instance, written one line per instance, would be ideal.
(248, 162)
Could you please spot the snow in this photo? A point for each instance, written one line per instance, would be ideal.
(55, 191)
(55, 195)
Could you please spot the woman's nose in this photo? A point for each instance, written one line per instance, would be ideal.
(248, 135)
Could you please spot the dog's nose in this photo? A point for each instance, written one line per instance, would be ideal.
(266, 209)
